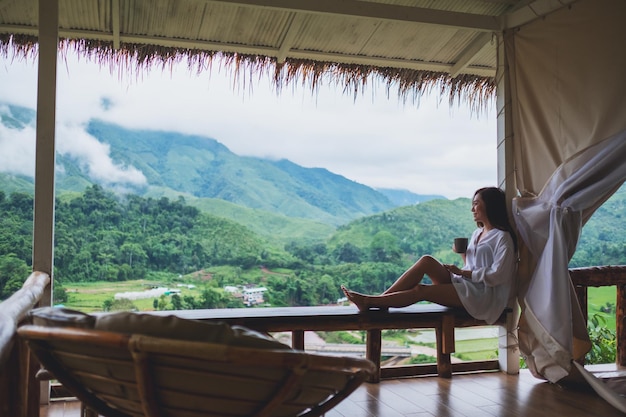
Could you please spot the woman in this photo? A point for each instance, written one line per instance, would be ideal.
(484, 284)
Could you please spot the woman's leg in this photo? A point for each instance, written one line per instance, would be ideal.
(443, 294)
(384, 301)
(426, 265)
(407, 289)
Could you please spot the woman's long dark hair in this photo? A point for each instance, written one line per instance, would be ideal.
(496, 210)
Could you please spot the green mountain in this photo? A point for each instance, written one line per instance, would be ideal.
(603, 238)
(203, 167)
(208, 174)
(10, 183)
(430, 227)
(274, 227)
(406, 198)
(425, 228)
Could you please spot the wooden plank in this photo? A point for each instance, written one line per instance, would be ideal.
(390, 372)
(319, 318)
(599, 276)
(474, 366)
(304, 312)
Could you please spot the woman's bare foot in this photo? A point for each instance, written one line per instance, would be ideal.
(362, 301)
(358, 299)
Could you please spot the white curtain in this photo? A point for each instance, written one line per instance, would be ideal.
(568, 117)
(552, 327)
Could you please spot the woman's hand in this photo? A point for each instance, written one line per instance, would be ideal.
(453, 268)
(458, 271)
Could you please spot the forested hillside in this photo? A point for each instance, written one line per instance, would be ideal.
(153, 163)
(101, 237)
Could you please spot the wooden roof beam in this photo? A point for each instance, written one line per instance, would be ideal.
(377, 11)
(292, 30)
(469, 53)
(532, 11)
(115, 23)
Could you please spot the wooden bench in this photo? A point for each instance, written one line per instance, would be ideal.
(443, 320)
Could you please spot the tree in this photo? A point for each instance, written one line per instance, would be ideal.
(107, 304)
(385, 248)
(189, 303)
(326, 289)
(59, 294)
(210, 298)
(13, 273)
(162, 304)
(348, 252)
(133, 252)
(177, 302)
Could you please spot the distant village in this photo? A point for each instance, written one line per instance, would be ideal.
(251, 295)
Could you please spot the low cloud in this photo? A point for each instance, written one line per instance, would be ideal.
(17, 154)
(94, 157)
(17, 151)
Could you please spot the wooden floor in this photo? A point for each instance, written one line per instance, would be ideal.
(484, 394)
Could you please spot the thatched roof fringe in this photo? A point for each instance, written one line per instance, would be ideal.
(18, 46)
(476, 91)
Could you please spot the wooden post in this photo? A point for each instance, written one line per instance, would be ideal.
(373, 349)
(447, 333)
(43, 217)
(581, 295)
(445, 345)
(620, 326)
(12, 384)
(297, 339)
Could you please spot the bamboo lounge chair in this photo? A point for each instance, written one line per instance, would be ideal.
(122, 365)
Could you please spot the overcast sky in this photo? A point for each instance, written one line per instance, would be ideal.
(374, 140)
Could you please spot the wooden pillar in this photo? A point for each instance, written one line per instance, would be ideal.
(373, 351)
(12, 384)
(43, 221)
(620, 326)
(581, 295)
(297, 339)
(445, 345)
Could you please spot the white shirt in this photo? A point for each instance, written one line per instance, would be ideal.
(493, 263)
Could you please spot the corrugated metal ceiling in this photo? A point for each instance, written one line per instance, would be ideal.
(431, 35)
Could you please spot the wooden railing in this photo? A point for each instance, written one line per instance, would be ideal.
(604, 276)
(19, 393)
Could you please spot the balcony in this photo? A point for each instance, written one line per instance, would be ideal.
(491, 393)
